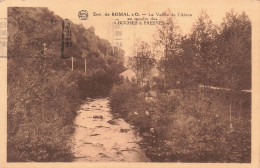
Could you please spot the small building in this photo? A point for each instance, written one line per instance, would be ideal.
(128, 74)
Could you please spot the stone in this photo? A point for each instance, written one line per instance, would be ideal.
(98, 116)
(124, 130)
(112, 122)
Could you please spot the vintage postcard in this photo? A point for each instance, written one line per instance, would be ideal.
(129, 83)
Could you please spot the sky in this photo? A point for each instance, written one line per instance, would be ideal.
(103, 24)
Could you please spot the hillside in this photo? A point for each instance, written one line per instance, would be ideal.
(26, 25)
(43, 92)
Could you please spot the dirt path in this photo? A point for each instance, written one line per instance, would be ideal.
(100, 138)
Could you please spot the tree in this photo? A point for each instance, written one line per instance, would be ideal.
(234, 51)
(167, 41)
(143, 62)
(185, 67)
(203, 36)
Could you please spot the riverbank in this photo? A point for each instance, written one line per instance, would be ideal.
(185, 129)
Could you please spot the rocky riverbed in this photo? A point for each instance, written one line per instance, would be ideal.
(100, 137)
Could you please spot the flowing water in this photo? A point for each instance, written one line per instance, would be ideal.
(99, 137)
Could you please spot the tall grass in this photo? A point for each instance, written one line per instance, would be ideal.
(179, 129)
(42, 105)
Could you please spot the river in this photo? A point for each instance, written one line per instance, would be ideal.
(100, 138)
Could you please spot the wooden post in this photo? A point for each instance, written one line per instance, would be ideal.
(240, 103)
(72, 59)
(44, 48)
(85, 66)
(230, 113)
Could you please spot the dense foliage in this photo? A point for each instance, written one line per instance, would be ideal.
(197, 109)
(211, 55)
(43, 92)
(177, 129)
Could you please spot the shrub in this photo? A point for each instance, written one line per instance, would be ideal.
(188, 132)
(126, 102)
(121, 94)
(42, 105)
(185, 129)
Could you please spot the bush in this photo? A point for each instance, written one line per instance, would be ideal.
(42, 105)
(188, 132)
(126, 102)
(121, 94)
(185, 130)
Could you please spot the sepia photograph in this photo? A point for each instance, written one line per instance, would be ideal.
(100, 82)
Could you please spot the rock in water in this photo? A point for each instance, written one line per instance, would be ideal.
(124, 130)
(98, 116)
(112, 122)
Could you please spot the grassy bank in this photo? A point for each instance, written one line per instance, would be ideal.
(190, 129)
(42, 105)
